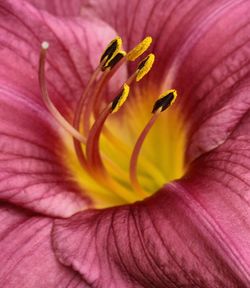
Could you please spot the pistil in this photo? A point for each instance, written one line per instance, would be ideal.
(47, 101)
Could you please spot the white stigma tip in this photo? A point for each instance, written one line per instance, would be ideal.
(45, 45)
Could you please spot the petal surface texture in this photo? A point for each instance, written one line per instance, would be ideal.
(27, 258)
(59, 7)
(192, 233)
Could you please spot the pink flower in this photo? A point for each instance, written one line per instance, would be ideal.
(192, 232)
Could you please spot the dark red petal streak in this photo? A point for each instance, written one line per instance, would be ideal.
(27, 259)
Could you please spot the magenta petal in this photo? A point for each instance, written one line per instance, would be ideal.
(31, 174)
(220, 183)
(59, 7)
(155, 244)
(27, 259)
(192, 233)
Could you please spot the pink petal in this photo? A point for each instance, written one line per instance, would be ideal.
(59, 7)
(203, 51)
(219, 182)
(31, 174)
(192, 233)
(31, 169)
(27, 259)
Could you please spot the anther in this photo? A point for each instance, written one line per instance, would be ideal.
(114, 60)
(139, 49)
(165, 100)
(145, 66)
(120, 98)
(112, 49)
(95, 99)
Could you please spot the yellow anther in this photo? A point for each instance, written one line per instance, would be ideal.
(139, 49)
(165, 100)
(145, 66)
(114, 60)
(120, 99)
(112, 49)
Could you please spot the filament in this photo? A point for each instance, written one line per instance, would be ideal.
(135, 154)
(165, 100)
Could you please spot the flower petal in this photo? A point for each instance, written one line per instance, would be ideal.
(31, 174)
(193, 233)
(203, 51)
(27, 258)
(59, 7)
(220, 183)
(32, 171)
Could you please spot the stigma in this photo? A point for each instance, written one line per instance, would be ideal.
(90, 125)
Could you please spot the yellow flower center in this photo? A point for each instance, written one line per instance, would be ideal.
(125, 150)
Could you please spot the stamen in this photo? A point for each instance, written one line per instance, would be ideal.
(145, 66)
(112, 49)
(110, 52)
(142, 69)
(113, 65)
(160, 105)
(84, 99)
(121, 57)
(94, 160)
(92, 146)
(120, 99)
(139, 49)
(94, 100)
(114, 60)
(165, 100)
(47, 101)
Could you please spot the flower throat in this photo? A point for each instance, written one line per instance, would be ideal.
(106, 177)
